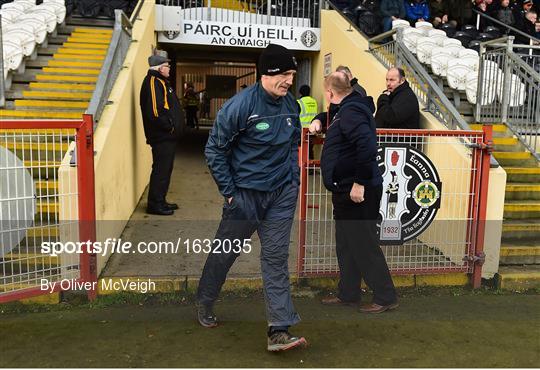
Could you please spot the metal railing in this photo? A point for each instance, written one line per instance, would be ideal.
(298, 13)
(114, 60)
(2, 81)
(395, 53)
(509, 91)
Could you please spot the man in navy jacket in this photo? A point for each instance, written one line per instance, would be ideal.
(350, 171)
(252, 153)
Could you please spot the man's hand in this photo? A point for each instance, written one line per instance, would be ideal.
(229, 200)
(445, 18)
(315, 126)
(357, 193)
(394, 18)
(386, 92)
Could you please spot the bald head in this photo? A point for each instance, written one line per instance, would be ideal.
(394, 78)
(339, 83)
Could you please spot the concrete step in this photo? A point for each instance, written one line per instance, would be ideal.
(516, 254)
(93, 31)
(82, 39)
(85, 45)
(519, 277)
(71, 71)
(17, 114)
(43, 170)
(522, 191)
(50, 105)
(65, 64)
(499, 130)
(20, 263)
(41, 146)
(518, 231)
(39, 63)
(507, 144)
(521, 209)
(29, 75)
(55, 95)
(66, 87)
(59, 39)
(78, 57)
(65, 50)
(514, 159)
(47, 208)
(59, 78)
(48, 50)
(523, 174)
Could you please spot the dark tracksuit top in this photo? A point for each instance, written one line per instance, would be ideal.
(160, 109)
(350, 148)
(254, 142)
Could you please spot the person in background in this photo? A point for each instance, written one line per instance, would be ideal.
(417, 11)
(440, 10)
(391, 10)
(519, 15)
(191, 105)
(397, 107)
(162, 116)
(354, 81)
(505, 13)
(308, 111)
(461, 11)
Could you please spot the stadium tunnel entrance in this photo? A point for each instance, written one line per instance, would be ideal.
(170, 244)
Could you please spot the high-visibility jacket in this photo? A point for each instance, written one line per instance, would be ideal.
(308, 110)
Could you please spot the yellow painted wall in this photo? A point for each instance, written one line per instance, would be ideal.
(349, 48)
(123, 160)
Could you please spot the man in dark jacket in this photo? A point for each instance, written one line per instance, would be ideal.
(417, 11)
(162, 115)
(397, 107)
(350, 171)
(461, 11)
(252, 153)
(391, 10)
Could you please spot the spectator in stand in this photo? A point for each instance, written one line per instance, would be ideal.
(461, 11)
(537, 29)
(391, 10)
(417, 11)
(440, 9)
(519, 14)
(505, 13)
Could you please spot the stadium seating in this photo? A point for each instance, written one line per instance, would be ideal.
(25, 25)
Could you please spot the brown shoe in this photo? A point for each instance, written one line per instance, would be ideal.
(335, 301)
(377, 308)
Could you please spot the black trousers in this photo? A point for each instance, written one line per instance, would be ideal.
(191, 117)
(357, 248)
(162, 166)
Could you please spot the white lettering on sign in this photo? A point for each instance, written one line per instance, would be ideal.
(243, 35)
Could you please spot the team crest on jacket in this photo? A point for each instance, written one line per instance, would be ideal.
(411, 193)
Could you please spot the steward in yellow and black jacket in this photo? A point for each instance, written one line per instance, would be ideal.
(161, 111)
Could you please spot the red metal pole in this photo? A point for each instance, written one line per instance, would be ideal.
(304, 158)
(87, 206)
(482, 206)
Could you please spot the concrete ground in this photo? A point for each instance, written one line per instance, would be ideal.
(455, 328)
(195, 191)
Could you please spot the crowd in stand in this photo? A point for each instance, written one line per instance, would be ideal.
(519, 14)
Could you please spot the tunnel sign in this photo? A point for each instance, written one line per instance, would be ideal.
(243, 35)
(411, 193)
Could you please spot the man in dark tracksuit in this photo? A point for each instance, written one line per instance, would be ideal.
(161, 114)
(350, 171)
(397, 107)
(252, 153)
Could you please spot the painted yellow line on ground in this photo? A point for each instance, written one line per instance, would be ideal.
(522, 170)
(61, 86)
(41, 164)
(81, 45)
(71, 71)
(57, 95)
(522, 207)
(90, 79)
(522, 187)
(71, 56)
(93, 31)
(31, 259)
(516, 250)
(505, 141)
(75, 51)
(57, 147)
(532, 227)
(512, 155)
(79, 38)
(496, 128)
(40, 114)
(49, 207)
(43, 232)
(65, 63)
(47, 186)
(51, 104)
